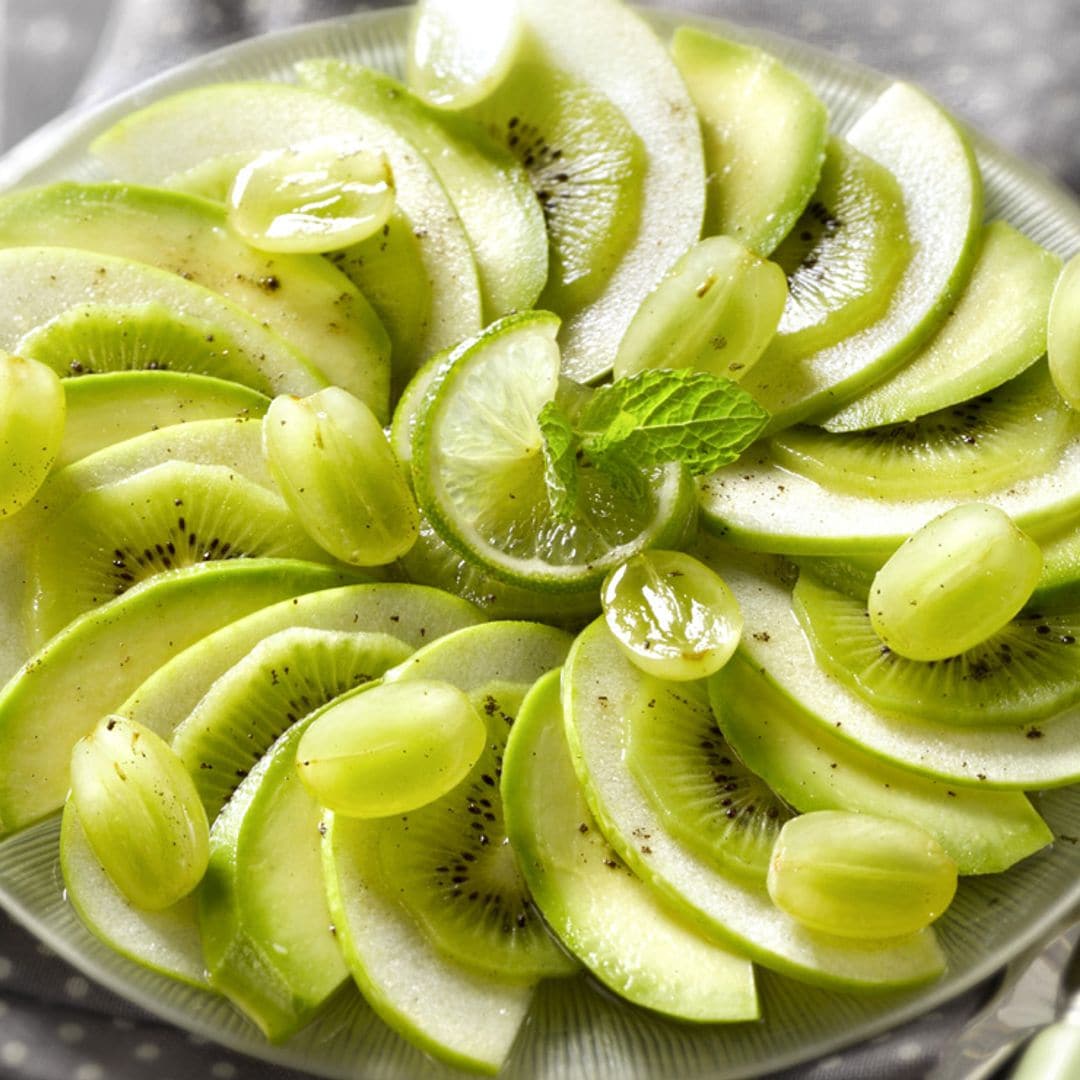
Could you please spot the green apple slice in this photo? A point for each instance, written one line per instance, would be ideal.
(413, 614)
(92, 665)
(593, 94)
(38, 284)
(602, 911)
(756, 504)
(267, 933)
(914, 139)
(602, 690)
(1024, 756)
(487, 186)
(985, 832)
(764, 131)
(164, 941)
(997, 328)
(464, 1018)
(118, 405)
(170, 137)
(302, 298)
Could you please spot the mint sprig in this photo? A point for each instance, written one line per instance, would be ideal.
(652, 418)
(560, 459)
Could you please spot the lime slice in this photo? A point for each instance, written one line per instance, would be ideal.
(480, 471)
(460, 50)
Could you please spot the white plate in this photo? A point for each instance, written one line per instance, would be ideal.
(574, 1030)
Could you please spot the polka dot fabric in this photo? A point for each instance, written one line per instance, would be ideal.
(1008, 68)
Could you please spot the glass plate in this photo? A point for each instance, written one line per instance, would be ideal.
(574, 1030)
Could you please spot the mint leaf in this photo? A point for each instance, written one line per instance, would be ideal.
(663, 415)
(560, 459)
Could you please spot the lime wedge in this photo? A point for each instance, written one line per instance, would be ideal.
(480, 470)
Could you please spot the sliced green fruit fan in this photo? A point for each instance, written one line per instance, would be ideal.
(470, 529)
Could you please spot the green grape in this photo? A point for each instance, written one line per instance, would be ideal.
(953, 583)
(715, 310)
(32, 414)
(319, 195)
(140, 812)
(858, 875)
(334, 466)
(391, 749)
(671, 615)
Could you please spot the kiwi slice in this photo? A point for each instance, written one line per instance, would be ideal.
(585, 164)
(158, 520)
(707, 797)
(1002, 436)
(450, 861)
(286, 676)
(985, 832)
(121, 405)
(89, 339)
(844, 255)
(1024, 673)
(457, 873)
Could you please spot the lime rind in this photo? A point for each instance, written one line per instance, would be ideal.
(480, 473)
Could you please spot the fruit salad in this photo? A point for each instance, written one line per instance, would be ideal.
(570, 515)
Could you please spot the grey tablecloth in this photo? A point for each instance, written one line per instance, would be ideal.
(1009, 67)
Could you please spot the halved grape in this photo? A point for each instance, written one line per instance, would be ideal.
(672, 616)
(331, 459)
(953, 583)
(392, 749)
(715, 310)
(32, 414)
(317, 195)
(140, 812)
(860, 876)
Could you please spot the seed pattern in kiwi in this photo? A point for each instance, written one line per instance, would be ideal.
(708, 798)
(1024, 673)
(458, 875)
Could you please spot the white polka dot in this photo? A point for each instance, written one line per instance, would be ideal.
(1036, 68)
(14, 1053)
(148, 1051)
(76, 987)
(956, 74)
(71, 1033)
(6, 967)
(908, 1052)
(89, 1071)
(222, 1070)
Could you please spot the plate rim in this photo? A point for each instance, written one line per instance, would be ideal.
(22, 163)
